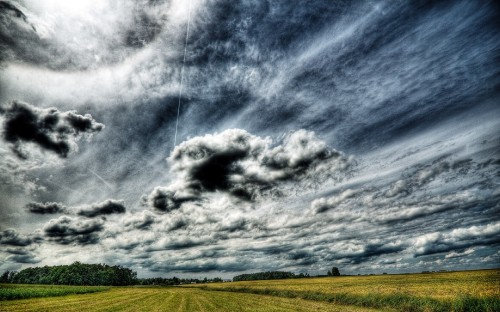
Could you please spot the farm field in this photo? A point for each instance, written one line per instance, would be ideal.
(447, 291)
(170, 299)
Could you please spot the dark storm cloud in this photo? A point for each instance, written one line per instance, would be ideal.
(107, 207)
(245, 166)
(371, 251)
(49, 128)
(273, 248)
(9, 8)
(302, 258)
(12, 238)
(22, 255)
(27, 258)
(46, 208)
(17, 251)
(165, 200)
(67, 230)
(177, 243)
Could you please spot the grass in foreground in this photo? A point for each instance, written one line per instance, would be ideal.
(13, 291)
(171, 299)
(450, 291)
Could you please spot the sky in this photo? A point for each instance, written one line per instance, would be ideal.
(214, 138)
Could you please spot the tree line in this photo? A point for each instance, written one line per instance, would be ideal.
(82, 274)
(176, 281)
(279, 275)
(75, 274)
(268, 276)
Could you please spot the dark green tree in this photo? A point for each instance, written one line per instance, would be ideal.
(335, 271)
(5, 277)
(77, 274)
(264, 276)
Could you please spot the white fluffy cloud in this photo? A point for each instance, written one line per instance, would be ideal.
(245, 166)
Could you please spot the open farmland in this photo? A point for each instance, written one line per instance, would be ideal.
(449, 291)
(170, 299)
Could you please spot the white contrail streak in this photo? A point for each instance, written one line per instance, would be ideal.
(182, 75)
(100, 178)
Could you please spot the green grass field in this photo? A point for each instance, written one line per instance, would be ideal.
(13, 291)
(453, 291)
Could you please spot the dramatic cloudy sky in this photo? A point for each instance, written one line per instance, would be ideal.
(358, 134)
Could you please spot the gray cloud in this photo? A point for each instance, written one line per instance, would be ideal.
(22, 255)
(49, 128)
(13, 24)
(13, 238)
(178, 242)
(421, 176)
(107, 207)
(163, 199)
(323, 204)
(26, 258)
(46, 208)
(67, 230)
(8, 8)
(141, 222)
(202, 266)
(368, 252)
(457, 239)
(245, 166)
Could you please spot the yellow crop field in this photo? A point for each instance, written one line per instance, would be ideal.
(446, 285)
(170, 299)
(446, 291)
